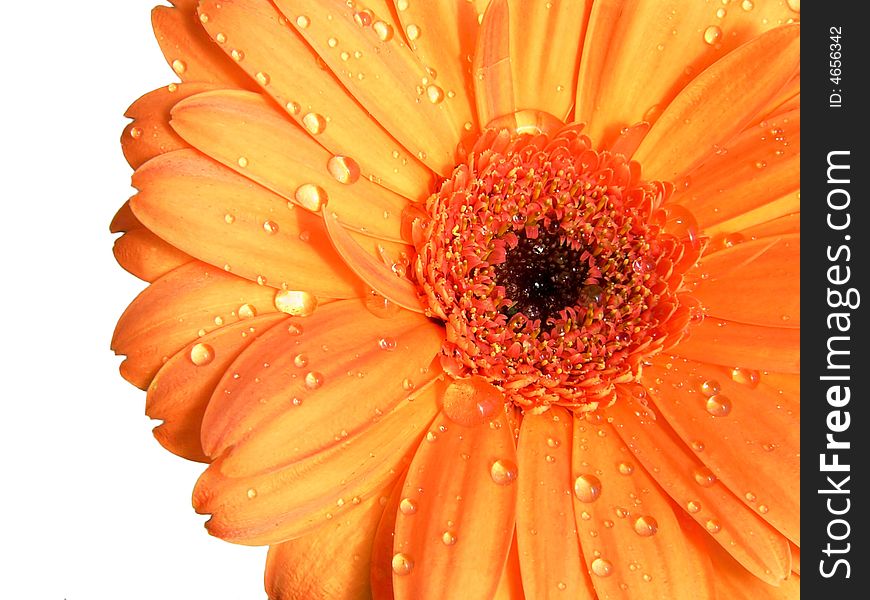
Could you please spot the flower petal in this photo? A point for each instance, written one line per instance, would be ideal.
(290, 501)
(420, 113)
(747, 176)
(454, 536)
(254, 414)
(510, 586)
(545, 43)
(493, 75)
(742, 532)
(382, 546)
(189, 51)
(719, 103)
(639, 54)
(758, 426)
(149, 134)
(245, 132)
(630, 536)
(378, 275)
(755, 282)
(172, 311)
(223, 218)
(146, 256)
(256, 34)
(328, 563)
(726, 343)
(550, 557)
(179, 393)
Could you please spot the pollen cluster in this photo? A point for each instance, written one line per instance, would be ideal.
(555, 268)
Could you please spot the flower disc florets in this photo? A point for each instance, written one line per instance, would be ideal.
(551, 267)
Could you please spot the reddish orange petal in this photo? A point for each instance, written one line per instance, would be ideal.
(424, 116)
(456, 517)
(549, 551)
(510, 586)
(493, 76)
(146, 256)
(730, 344)
(226, 220)
(545, 43)
(640, 54)
(173, 310)
(180, 391)
(782, 226)
(149, 134)
(330, 562)
(124, 220)
(748, 180)
(740, 531)
(245, 132)
(630, 536)
(755, 282)
(719, 103)
(255, 34)
(289, 386)
(740, 420)
(290, 501)
(188, 49)
(382, 546)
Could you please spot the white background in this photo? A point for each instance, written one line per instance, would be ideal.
(91, 507)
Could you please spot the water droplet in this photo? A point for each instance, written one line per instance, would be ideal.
(749, 377)
(562, 586)
(795, 5)
(553, 443)
(344, 169)
(314, 123)
(704, 477)
(626, 468)
(383, 30)
(503, 471)
(750, 497)
(712, 34)
(645, 526)
(602, 567)
(247, 311)
(220, 38)
(311, 196)
(270, 227)
(313, 380)
(413, 32)
(302, 21)
(294, 329)
(332, 42)
(380, 306)
(760, 164)
(263, 78)
(747, 5)
(237, 55)
(301, 360)
(710, 387)
(251, 493)
(693, 506)
(435, 94)
(293, 108)
(408, 385)
(242, 162)
(471, 401)
(718, 405)
(296, 303)
(401, 5)
(407, 506)
(136, 132)
(763, 509)
(587, 488)
(448, 538)
(713, 526)
(402, 563)
(179, 66)
(201, 354)
(698, 446)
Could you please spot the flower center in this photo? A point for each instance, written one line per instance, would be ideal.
(554, 267)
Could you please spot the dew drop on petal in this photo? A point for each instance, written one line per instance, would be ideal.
(718, 405)
(314, 123)
(587, 488)
(247, 311)
(747, 5)
(413, 32)
(402, 563)
(242, 162)
(626, 468)
(313, 380)
(602, 567)
(763, 509)
(503, 471)
(645, 526)
(251, 493)
(294, 329)
(712, 34)
(263, 78)
(713, 526)
(471, 401)
(201, 354)
(448, 538)
(387, 343)
(407, 506)
(296, 303)
(710, 387)
(179, 66)
(270, 227)
(383, 30)
(301, 360)
(136, 132)
(344, 169)
(311, 196)
(795, 5)
(302, 21)
(748, 377)
(693, 506)
(704, 477)
(435, 94)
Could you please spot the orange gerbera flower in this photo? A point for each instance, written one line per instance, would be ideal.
(477, 298)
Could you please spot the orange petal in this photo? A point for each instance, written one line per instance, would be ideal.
(257, 36)
(545, 43)
(245, 132)
(730, 344)
(330, 562)
(149, 134)
(745, 423)
(382, 546)
(747, 537)
(124, 220)
(173, 310)
(781, 226)
(719, 103)
(288, 502)
(146, 256)
(296, 386)
(493, 74)
(549, 552)
(226, 220)
(630, 536)
(386, 78)
(755, 282)
(744, 181)
(640, 54)
(179, 393)
(510, 586)
(376, 274)
(189, 51)
(456, 519)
